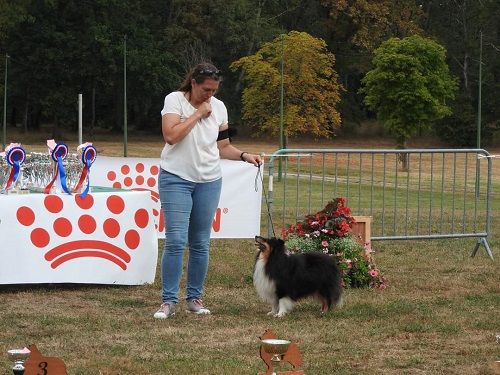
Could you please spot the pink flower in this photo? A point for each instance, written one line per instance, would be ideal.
(324, 243)
(373, 273)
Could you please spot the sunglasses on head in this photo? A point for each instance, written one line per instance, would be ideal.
(210, 72)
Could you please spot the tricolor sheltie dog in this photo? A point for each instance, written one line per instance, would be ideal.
(282, 279)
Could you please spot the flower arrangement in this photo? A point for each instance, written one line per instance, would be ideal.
(329, 231)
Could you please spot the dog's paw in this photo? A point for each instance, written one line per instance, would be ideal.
(271, 313)
(280, 314)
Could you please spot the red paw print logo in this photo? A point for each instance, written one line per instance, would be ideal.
(140, 177)
(51, 228)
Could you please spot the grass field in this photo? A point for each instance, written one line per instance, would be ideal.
(439, 315)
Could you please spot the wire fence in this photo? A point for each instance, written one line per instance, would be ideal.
(409, 194)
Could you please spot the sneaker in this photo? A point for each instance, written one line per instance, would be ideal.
(165, 310)
(196, 306)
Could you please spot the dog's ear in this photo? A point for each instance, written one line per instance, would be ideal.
(281, 243)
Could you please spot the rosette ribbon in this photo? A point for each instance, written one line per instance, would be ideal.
(89, 155)
(15, 156)
(59, 151)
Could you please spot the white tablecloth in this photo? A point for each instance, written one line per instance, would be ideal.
(106, 238)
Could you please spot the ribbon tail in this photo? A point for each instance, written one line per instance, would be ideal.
(62, 175)
(16, 169)
(87, 172)
(10, 181)
(79, 185)
(49, 186)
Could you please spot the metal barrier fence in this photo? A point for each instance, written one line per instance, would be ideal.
(410, 194)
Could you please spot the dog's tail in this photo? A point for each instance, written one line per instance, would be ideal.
(336, 295)
(331, 296)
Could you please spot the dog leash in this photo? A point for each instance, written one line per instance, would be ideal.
(265, 195)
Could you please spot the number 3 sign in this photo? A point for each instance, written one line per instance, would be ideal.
(37, 364)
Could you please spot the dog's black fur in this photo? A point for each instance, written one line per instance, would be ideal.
(282, 279)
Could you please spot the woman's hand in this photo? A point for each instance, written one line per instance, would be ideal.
(205, 109)
(252, 158)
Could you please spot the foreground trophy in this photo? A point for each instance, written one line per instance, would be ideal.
(274, 352)
(277, 348)
(19, 356)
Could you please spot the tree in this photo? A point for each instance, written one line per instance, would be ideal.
(11, 13)
(409, 85)
(354, 29)
(460, 25)
(310, 82)
(69, 47)
(365, 24)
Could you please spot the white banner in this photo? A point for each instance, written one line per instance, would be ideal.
(106, 238)
(238, 212)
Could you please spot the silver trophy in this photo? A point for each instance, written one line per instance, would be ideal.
(4, 172)
(19, 356)
(277, 348)
(39, 169)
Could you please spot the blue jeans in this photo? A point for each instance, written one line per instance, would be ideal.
(189, 209)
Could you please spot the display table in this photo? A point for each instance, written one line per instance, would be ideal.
(108, 237)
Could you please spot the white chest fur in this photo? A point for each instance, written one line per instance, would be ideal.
(265, 287)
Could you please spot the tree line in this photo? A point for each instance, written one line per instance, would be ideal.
(56, 49)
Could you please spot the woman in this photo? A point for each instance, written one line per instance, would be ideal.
(195, 129)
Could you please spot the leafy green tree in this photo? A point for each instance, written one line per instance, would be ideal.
(460, 25)
(353, 29)
(11, 13)
(311, 89)
(409, 85)
(366, 23)
(69, 47)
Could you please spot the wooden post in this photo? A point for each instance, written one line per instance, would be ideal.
(362, 233)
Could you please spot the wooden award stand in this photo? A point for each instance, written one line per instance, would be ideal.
(292, 356)
(38, 364)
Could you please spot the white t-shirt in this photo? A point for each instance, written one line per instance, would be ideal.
(195, 158)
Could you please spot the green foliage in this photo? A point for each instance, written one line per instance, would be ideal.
(61, 48)
(368, 23)
(12, 13)
(352, 261)
(71, 47)
(311, 88)
(459, 129)
(409, 85)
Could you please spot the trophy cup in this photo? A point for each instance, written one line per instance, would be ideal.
(19, 356)
(277, 348)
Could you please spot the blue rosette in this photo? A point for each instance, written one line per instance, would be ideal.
(89, 154)
(58, 154)
(15, 156)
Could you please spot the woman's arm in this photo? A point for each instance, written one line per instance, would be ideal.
(228, 151)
